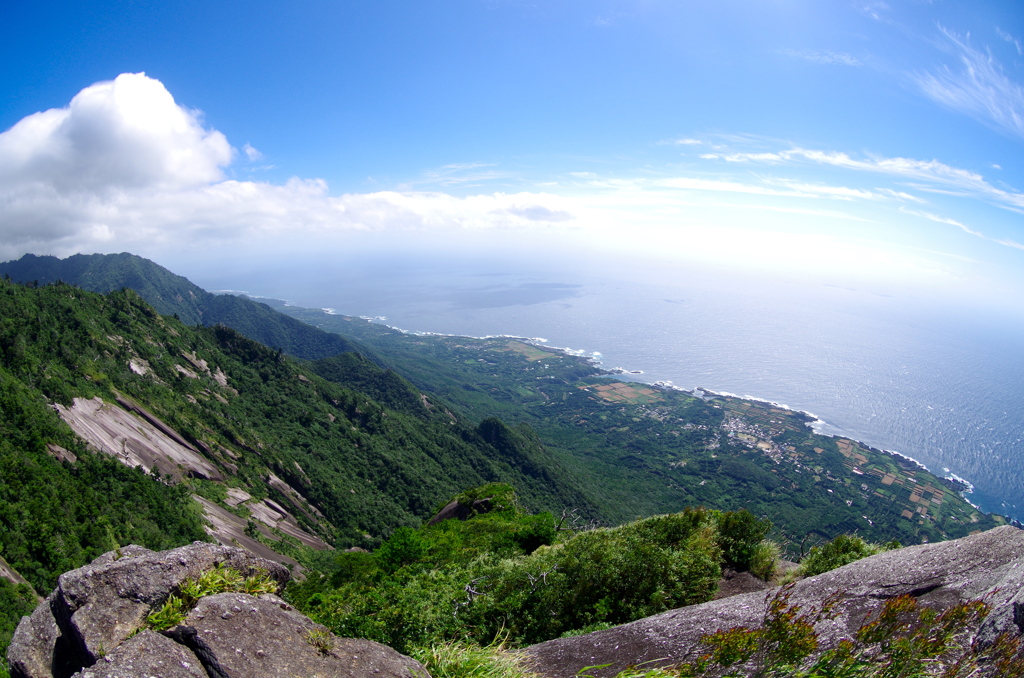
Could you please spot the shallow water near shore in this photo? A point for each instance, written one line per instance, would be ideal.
(932, 381)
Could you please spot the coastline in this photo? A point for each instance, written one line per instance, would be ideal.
(963, 487)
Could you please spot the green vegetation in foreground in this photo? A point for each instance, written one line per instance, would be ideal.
(523, 578)
(843, 550)
(218, 580)
(462, 596)
(903, 639)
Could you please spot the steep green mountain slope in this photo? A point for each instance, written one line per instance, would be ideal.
(269, 436)
(172, 294)
(252, 413)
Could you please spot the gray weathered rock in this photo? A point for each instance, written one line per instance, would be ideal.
(38, 648)
(97, 607)
(101, 604)
(30, 654)
(146, 654)
(239, 636)
(939, 575)
(89, 627)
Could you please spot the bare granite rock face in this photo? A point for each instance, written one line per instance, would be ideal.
(93, 626)
(102, 604)
(989, 565)
(31, 652)
(146, 654)
(134, 436)
(280, 641)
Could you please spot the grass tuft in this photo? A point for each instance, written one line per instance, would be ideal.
(460, 659)
(218, 580)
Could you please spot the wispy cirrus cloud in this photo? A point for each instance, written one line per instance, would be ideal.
(977, 86)
(946, 220)
(965, 228)
(1010, 39)
(825, 57)
(460, 174)
(930, 175)
(874, 10)
(784, 188)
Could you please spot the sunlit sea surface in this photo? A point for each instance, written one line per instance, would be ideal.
(937, 383)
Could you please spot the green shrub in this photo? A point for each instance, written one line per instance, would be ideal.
(405, 547)
(502, 496)
(673, 529)
(844, 549)
(321, 639)
(353, 566)
(765, 560)
(608, 576)
(592, 579)
(466, 660)
(739, 534)
(411, 609)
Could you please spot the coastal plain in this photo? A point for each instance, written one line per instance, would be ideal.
(640, 449)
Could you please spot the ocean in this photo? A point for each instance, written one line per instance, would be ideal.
(936, 381)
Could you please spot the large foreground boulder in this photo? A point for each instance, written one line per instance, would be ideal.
(93, 626)
(988, 565)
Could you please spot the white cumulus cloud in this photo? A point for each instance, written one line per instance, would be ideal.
(124, 166)
(120, 134)
(69, 174)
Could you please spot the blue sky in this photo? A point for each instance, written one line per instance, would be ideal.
(876, 141)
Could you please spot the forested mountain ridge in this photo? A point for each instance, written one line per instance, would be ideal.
(175, 295)
(349, 469)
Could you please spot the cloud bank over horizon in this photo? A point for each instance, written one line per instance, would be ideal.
(123, 164)
(125, 167)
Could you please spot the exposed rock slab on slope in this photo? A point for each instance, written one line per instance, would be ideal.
(135, 439)
(10, 574)
(939, 575)
(229, 530)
